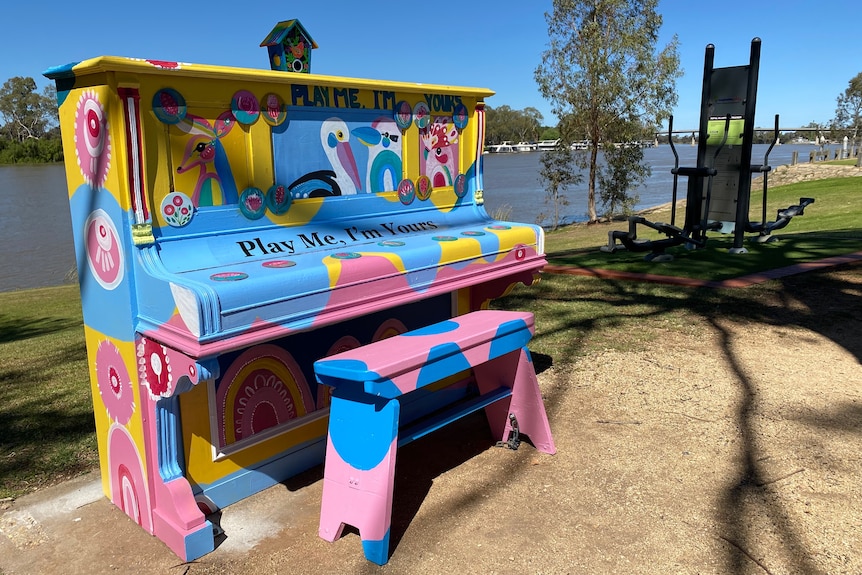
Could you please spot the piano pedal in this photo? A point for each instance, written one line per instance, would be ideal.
(514, 441)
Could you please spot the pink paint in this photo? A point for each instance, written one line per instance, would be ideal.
(357, 486)
(370, 511)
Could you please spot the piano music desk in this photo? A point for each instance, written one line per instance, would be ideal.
(367, 383)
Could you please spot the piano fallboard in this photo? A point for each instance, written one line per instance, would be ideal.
(233, 289)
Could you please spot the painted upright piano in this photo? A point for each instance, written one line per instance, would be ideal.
(231, 227)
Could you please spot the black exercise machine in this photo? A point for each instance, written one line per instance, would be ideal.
(718, 193)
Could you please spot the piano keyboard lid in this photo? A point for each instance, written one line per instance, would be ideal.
(254, 282)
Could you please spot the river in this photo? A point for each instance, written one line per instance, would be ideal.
(36, 229)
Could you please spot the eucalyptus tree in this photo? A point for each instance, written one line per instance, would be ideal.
(27, 113)
(558, 175)
(848, 112)
(607, 82)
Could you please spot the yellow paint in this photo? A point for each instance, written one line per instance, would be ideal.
(103, 422)
(513, 237)
(208, 91)
(277, 368)
(201, 464)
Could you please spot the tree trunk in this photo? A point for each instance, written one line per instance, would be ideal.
(591, 184)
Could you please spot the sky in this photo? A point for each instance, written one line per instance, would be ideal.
(810, 51)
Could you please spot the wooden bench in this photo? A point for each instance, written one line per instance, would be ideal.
(367, 383)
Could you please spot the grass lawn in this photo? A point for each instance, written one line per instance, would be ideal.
(45, 407)
(829, 227)
(46, 415)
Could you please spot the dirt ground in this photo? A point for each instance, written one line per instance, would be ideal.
(729, 446)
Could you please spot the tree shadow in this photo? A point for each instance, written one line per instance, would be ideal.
(825, 301)
(17, 329)
(42, 431)
(751, 487)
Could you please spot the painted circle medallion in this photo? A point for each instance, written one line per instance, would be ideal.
(460, 117)
(406, 192)
(423, 188)
(403, 115)
(460, 185)
(278, 199)
(252, 203)
(169, 106)
(421, 115)
(104, 251)
(245, 107)
(177, 209)
(92, 139)
(274, 111)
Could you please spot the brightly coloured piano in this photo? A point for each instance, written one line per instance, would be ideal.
(231, 227)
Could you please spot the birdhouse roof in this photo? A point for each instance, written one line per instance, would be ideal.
(282, 29)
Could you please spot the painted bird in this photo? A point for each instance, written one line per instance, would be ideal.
(335, 138)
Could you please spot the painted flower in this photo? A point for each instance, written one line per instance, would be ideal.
(114, 383)
(154, 368)
(253, 202)
(246, 103)
(177, 209)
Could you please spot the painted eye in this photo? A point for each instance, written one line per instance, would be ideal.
(201, 147)
(439, 152)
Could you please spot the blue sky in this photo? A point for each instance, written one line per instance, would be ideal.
(810, 50)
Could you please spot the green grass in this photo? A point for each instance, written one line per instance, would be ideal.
(828, 228)
(578, 316)
(46, 415)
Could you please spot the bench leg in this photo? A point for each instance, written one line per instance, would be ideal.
(359, 473)
(516, 371)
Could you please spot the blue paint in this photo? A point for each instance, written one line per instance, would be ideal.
(510, 336)
(200, 542)
(437, 328)
(377, 551)
(266, 473)
(443, 360)
(367, 135)
(170, 434)
(230, 195)
(366, 444)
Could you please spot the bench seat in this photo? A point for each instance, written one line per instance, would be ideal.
(367, 384)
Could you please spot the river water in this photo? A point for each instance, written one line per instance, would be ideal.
(36, 247)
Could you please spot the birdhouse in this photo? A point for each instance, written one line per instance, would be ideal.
(289, 47)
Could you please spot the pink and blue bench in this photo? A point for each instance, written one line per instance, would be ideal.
(368, 385)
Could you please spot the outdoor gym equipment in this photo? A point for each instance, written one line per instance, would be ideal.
(718, 192)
